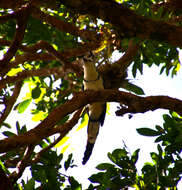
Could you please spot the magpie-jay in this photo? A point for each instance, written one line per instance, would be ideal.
(96, 111)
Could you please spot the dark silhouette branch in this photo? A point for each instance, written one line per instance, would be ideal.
(5, 182)
(126, 22)
(22, 164)
(9, 103)
(22, 18)
(133, 104)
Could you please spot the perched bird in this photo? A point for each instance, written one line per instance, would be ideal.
(96, 111)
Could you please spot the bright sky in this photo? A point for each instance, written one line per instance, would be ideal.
(119, 129)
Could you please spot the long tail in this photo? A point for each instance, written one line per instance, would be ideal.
(87, 152)
(92, 132)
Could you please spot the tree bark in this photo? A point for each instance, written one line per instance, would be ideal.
(126, 22)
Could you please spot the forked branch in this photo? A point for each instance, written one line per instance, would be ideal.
(133, 104)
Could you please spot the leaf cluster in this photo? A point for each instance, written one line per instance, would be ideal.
(163, 173)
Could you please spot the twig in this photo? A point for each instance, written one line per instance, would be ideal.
(58, 71)
(22, 164)
(22, 17)
(10, 102)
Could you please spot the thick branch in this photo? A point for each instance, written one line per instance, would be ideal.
(62, 129)
(133, 104)
(127, 22)
(22, 18)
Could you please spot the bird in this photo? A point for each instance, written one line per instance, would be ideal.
(96, 111)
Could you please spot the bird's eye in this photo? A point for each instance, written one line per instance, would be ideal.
(89, 57)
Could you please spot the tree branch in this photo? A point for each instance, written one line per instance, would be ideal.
(58, 71)
(63, 130)
(10, 102)
(52, 54)
(133, 104)
(22, 17)
(127, 22)
(22, 164)
(5, 182)
(65, 26)
(28, 57)
(168, 6)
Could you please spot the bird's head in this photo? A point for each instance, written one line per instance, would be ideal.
(89, 57)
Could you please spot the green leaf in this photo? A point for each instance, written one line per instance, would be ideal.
(111, 157)
(23, 129)
(68, 162)
(23, 105)
(158, 139)
(134, 70)
(167, 118)
(8, 134)
(148, 168)
(159, 149)
(36, 92)
(154, 157)
(18, 128)
(175, 115)
(104, 166)
(30, 184)
(91, 187)
(95, 178)
(134, 88)
(160, 129)
(148, 132)
(7, 125)
(119, 153)
(74, 184)
(134, 156)
(4, 168)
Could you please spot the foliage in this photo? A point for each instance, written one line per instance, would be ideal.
(40, 71)
(164, 172)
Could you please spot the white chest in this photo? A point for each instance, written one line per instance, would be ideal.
(93, 85)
